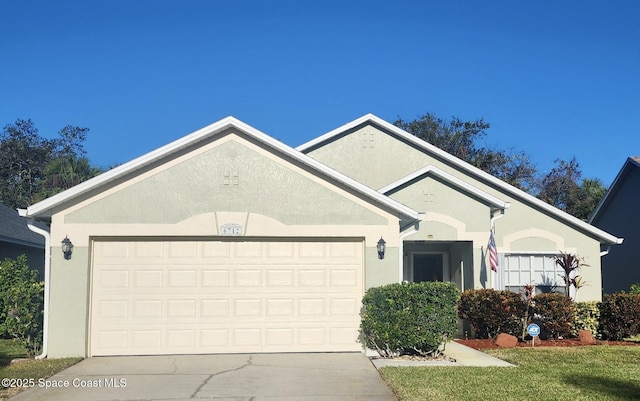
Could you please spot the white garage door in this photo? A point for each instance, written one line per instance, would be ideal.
(192, 297)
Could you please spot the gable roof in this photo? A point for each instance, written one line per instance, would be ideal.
(473, 171)
(14, 229)
(44, 209)
(629, 165)
(433, 170)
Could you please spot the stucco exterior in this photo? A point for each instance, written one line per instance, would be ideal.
(433, 212)
(227, 179)
(456, 214)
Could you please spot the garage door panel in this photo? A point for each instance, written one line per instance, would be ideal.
(224, 297)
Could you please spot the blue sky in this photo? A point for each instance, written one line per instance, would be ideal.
(555, 79)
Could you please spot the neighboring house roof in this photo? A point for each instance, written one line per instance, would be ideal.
(473, 171)
(630, 164)
(43, 209)
(14, 229)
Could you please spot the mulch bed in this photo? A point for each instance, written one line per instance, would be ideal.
(481, 344)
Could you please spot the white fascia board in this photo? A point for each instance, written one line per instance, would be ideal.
(316, 165)
(36, 210)
(326, 137)
(600, 234)
(43, 209)
(430, 169)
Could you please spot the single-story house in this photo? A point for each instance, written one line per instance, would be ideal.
(16, 239)
(619, 212)
(228, 240)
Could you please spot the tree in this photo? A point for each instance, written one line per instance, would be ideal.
(459, 138)
(455, 137)
(564, 188)
(32, 167)
(514, 168)
(65, 172)
(24, 157)
(591, 192)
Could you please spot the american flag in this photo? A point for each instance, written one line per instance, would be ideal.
(493, 253)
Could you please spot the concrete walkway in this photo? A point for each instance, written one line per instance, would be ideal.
(459, 355)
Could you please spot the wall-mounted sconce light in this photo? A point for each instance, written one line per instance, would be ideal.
(67, 248)
(382, 245)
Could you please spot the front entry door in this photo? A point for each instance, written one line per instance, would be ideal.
(429, 267)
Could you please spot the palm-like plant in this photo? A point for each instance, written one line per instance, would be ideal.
(571, 264)
(65, 172)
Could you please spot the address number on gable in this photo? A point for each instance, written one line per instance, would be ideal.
(231, 229)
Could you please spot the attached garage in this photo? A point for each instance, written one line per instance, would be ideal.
(192, 297)
(224, 241)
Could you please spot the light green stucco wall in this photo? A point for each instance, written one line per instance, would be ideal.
(523, 228)
(381, 271)
(69, 310)
(230, 177)
(370, 156)
(430, 194)
(192, 196)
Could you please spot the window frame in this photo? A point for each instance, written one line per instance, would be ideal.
(547, 271)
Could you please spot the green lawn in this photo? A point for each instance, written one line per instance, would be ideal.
(28, 369)
(572, 373)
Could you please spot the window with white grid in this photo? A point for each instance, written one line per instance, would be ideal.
(538, 269)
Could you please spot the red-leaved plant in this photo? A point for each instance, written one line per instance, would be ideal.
(571, 264)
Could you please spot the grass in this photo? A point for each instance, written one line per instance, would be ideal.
(569, 373)
(26, 369)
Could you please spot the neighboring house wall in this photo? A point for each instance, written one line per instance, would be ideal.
(620, 214)
(16, 239)
(378, 158)
(35, 255)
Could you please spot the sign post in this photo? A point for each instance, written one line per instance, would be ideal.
(534, 331)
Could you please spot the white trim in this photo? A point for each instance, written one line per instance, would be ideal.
(43, 208)
(603, 236)
(556, 270)
(450, 179)
(329, 135)
(403, 235)
(47, 281)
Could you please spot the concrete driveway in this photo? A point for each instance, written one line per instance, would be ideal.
(236, 377)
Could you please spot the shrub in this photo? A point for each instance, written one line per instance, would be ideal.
(491, 312)
(587, 317)
(409, 318)
(21, 303)
(634, 289)
(571, 265)
(555, 313)
(619, 316)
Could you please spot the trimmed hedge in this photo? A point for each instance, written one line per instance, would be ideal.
(409, 318)
(491, 312)
(587, 318)
(619, 316)
(555, 313)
